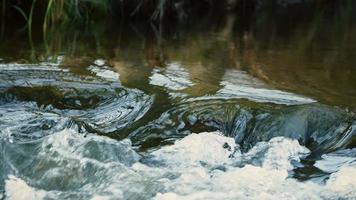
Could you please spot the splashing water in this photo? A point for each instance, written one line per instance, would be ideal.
(70, 135)
(200, 166)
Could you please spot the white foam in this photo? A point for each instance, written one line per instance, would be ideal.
(343, 182)
(71, 145)
(278, 153)
(199, 156)
(266, 179)
(199, 166)
(91, 167)
(17, 189)
(204, 147)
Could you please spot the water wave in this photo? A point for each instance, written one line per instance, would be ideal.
(39, 99)
(208, 165)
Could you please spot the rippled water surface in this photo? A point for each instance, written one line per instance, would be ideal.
(221, 111)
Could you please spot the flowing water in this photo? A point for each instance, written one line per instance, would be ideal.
(223, 110)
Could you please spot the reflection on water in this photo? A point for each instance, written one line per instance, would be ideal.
(313, 55)
(113, 115)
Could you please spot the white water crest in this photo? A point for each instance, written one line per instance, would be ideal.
(200, 166)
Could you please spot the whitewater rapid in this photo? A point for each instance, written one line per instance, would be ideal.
(56, 148)
(208, 165)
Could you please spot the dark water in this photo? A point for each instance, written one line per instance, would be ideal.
(283, 72)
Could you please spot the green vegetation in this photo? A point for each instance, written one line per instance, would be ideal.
(50, 14)
(54, 12)
(54, 27)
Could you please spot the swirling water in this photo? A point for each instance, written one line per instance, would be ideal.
(206, 117)
(263, 143)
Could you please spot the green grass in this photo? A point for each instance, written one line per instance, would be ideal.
(51, 16)
(58, 12)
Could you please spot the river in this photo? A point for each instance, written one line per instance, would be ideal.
(221, 109)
